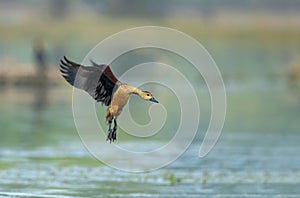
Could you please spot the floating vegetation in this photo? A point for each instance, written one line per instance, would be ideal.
(172, 178)
(205, 176)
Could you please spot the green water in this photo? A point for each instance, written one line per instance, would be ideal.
(42, 155)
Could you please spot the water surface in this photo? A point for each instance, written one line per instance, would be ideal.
(42, 156)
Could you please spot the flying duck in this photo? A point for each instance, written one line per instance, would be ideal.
(101, 84)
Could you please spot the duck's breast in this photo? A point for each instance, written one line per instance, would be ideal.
(119, 100)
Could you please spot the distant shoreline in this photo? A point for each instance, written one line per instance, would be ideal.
(28, 76)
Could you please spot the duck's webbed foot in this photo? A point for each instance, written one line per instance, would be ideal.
(111, 136)
(112, 133)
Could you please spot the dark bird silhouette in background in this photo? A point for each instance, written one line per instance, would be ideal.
(100, 83)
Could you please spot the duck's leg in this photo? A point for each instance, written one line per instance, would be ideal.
(114, 130)
(110, 133)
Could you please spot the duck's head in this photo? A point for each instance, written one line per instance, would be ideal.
(146, 95)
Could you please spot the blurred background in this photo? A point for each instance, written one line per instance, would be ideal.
(256, 45)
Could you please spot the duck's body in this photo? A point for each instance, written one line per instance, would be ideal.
(119, 100)
(104, 87)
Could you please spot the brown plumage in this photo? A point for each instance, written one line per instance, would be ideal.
(100, 83)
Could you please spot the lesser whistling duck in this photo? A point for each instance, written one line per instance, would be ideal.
(100, 83)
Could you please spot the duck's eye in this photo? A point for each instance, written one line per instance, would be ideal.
(148, 94)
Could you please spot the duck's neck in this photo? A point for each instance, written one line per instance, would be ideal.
(134, 90)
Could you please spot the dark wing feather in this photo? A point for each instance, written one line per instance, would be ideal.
(97, 80)
(107, 71)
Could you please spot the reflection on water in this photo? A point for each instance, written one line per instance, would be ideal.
(40, 104)
(33, 115)
(42, 155)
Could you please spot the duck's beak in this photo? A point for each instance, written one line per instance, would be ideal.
(153, 100)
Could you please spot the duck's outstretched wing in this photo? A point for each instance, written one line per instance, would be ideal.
(97, 80)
